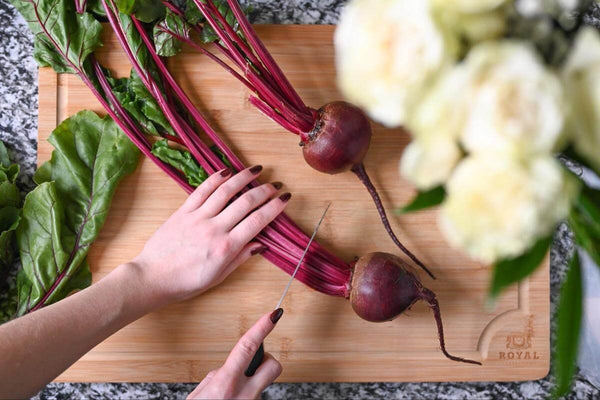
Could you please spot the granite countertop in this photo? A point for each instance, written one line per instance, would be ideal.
(18, 129)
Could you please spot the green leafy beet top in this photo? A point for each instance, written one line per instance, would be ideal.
(62, 217)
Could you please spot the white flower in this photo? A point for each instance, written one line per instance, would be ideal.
(387, 52)
(468, 6)
(472, 20)
(582, 77)
(436, 124)
(497, 207)
(429, 164)
(515, 104)
(534, 8)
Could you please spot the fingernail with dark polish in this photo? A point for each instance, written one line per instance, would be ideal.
(277, 185)
(285, 197)
(258, 250)
(276, 315)
(226, 172)
(256, 169)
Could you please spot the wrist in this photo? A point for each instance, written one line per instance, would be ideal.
(143, 294)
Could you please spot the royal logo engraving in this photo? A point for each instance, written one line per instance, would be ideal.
(517, 344)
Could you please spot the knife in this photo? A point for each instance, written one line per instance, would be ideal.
(260, 353)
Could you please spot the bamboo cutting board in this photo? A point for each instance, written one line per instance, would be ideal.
(319, 338)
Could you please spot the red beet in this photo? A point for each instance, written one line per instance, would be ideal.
(339, 140)
(383, 287)
(335, 138)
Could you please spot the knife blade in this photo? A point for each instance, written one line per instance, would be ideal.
(287, 287)
(260, 353)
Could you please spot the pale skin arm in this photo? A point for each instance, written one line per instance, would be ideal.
(196, 249)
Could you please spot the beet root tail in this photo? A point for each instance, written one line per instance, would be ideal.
(360, 171)
(429, 296)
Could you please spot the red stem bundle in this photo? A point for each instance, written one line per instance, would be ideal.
(284, 240)
(274, 95)
(263, 75)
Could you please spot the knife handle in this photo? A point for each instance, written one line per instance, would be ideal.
(256, 361)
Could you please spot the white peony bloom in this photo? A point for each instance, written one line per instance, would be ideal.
(472, 20)
(515, 104)
(442, 110)
(429, 163)
(582, 77)
(436, 124)
(498, 207)
(468, 6)
(535, 8)
(387, 52)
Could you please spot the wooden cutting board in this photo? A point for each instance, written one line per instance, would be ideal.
(319, 337)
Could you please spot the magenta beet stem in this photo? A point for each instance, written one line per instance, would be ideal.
(287, 247)
(265, 56)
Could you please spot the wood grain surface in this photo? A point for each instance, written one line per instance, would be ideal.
(319, 338)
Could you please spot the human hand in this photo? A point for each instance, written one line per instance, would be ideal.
(207, 238)
(229, 381)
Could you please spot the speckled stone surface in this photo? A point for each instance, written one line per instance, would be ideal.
(18, 129)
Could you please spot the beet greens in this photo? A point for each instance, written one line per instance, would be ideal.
(124, 98)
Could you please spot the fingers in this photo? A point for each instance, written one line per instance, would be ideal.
(247, 202)
(259, 219)
(202, 192)
(246, 347)
(248, 251)
(224, 193)
(268, 371)
(230, 381)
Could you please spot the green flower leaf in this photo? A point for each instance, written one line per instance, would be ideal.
(182, 160)
(570, 311)
(424, 200)
(63, 38)
(584, 220)
(510, 271)
(588, 205)
(62, 217)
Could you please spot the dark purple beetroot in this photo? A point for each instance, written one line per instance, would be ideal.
(383, 287)
(339, 140)
(335, 138)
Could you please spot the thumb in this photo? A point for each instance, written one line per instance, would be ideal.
(246, 347)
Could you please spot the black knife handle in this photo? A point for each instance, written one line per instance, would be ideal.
(256, 361)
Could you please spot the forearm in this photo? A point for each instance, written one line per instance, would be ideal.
(36, 348)
(174, 265)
